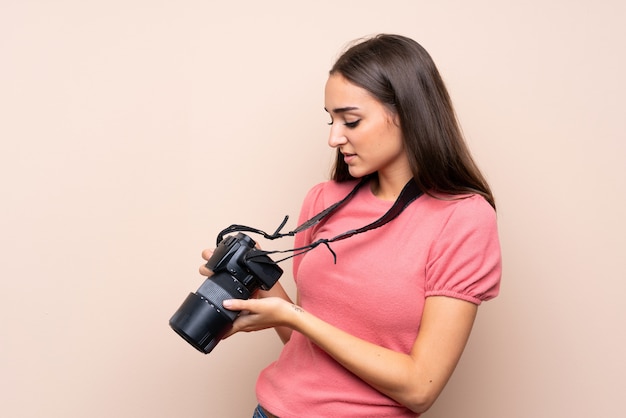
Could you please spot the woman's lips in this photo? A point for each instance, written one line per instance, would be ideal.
(348, 157)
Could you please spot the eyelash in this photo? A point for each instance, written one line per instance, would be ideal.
(350, 125)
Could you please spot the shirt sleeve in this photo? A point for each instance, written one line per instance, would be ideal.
(465, 262)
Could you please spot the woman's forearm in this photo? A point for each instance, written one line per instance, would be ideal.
(284, 333)
(389, 372)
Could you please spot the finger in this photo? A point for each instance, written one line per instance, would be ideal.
(205, 271)
(240, 325)
(207, 253)
(237, 304)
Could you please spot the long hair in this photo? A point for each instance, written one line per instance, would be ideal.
(399, 73)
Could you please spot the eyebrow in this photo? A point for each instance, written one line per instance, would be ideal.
(343, 109)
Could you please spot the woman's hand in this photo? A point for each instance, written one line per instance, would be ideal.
(258, 314)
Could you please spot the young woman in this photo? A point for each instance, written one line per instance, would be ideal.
(378, 331)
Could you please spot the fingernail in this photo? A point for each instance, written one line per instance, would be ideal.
(227, 303)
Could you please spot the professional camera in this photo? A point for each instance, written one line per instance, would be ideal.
(240, 270)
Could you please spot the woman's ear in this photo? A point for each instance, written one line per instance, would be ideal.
(394, 118)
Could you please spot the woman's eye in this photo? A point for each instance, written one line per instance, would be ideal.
(350, 125)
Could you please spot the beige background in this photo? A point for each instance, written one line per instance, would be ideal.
(133, 131)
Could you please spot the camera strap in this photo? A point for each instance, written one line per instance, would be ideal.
(409, 193)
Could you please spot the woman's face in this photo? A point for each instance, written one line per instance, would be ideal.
(364, 131)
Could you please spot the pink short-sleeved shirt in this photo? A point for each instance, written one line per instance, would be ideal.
(376, 291)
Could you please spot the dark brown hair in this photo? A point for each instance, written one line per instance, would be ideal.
(399, 73)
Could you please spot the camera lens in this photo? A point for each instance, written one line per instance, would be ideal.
(200, 322)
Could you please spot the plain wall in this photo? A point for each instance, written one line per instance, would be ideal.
(133, 131)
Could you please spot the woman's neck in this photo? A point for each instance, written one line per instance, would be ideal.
(388, 188)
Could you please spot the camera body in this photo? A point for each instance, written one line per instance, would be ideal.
(239, 271)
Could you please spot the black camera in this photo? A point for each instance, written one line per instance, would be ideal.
(240, 270)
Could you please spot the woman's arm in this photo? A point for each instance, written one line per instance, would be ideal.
(414, 380)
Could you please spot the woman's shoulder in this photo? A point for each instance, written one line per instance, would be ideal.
(466, 212)
(464, 202)
(328, 192)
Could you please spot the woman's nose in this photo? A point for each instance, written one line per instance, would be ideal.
(336, 137)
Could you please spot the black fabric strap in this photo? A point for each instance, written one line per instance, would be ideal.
(306, 225)
(409, 193)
